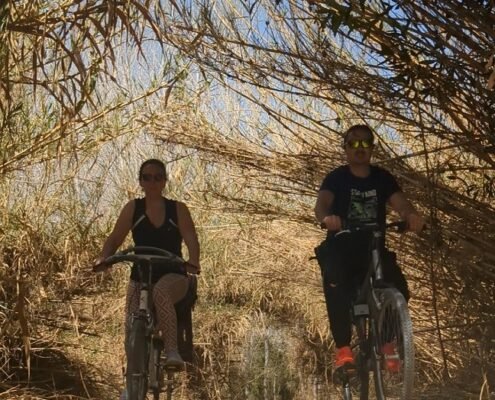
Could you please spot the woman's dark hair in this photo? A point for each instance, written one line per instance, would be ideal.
(153, 161)
(354, 128)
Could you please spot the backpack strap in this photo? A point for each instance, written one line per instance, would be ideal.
(171, 212)
(139, 213)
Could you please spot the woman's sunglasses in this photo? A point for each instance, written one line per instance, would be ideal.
(152, 177)
(365, 144)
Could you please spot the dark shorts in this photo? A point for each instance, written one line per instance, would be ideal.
(344, 262)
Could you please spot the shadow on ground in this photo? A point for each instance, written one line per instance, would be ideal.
(54, 376)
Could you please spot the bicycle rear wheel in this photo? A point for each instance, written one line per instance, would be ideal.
(394, 362)
(137, 361)
(347, 392)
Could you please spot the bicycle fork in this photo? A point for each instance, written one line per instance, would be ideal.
(142, 314)
(154, 368)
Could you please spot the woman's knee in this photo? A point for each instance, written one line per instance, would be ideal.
(171, 288)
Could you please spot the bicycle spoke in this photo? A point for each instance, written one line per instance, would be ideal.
(363, 373)
(137, 361)
(395, 348)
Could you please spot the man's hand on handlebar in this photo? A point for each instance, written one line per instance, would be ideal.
(415, 222)
(412, 222)
(332, 223)
(99, 265)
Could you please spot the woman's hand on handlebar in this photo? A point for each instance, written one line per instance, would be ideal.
(192, 268)
(332, 223)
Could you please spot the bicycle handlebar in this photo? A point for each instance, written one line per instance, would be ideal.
(164, 256)
(371, 227)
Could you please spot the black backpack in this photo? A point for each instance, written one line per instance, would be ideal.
(184, 309)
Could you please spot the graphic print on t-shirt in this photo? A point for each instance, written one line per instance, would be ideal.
(363, 206)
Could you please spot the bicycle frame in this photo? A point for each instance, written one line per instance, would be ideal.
(366, 305)
(145, 370)
(155, 370)
(366, 310)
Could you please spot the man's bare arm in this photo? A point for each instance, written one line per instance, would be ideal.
(323, 204)
(322, 208)
(399, 202)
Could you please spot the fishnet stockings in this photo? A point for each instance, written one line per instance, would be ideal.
(166, 292)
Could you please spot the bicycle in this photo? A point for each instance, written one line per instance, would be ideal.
(146, 368)
(380, 316)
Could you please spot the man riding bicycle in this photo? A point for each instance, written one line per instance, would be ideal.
(357, 192)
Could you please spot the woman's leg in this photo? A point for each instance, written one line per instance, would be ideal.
(166, 292)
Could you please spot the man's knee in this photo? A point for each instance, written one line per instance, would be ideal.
(393, 274)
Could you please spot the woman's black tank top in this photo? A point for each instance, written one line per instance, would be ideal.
(166, 237)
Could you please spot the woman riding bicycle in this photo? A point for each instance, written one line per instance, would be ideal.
(162, 223)
(357, 192)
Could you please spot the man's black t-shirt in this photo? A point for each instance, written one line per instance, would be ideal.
(360, 199)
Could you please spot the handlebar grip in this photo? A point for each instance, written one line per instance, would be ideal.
(101, 267)
(197, 271)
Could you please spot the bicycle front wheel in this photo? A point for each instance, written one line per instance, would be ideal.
(362, 357)
(137, 361)
(394, 361)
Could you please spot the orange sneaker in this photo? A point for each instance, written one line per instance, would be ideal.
(343, 356)
(390, 357)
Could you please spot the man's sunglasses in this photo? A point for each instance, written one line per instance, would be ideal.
(152, 177)
(365, 144)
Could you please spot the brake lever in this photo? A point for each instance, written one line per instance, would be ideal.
(342, 231)
(101, 267)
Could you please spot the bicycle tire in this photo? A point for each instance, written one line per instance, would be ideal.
(394, 326)
(156, 369)
(170, 387)
(347, 392)
(137, 361)
(362, 362)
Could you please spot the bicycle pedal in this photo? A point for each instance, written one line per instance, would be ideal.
(173, 368)
(344, 373)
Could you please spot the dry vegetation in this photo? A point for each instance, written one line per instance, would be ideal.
(247, 101)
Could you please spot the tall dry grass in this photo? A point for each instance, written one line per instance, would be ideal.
(250, 142)
(260, 321)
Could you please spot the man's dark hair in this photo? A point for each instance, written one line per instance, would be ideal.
(153, 161)
(355, 128)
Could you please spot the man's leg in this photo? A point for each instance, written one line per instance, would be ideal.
(393, 274)
(338, 303)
